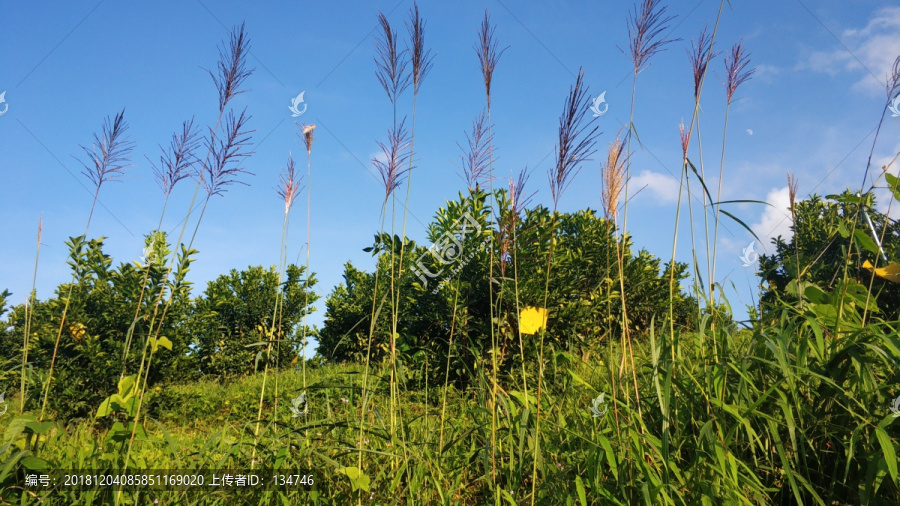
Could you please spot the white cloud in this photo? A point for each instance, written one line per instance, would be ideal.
(875, 46)
(381, 156)
(776, 219)
(664, 187)
(766, 73)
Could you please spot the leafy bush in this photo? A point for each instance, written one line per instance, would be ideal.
(104, 302)
(584, 302)
(232, 321)
(830, 236)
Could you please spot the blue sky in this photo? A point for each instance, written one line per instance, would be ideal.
(811, 109)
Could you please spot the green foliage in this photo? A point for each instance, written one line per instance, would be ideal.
(233, 320)
(831, 235)
(445, 289)
(778, 414)
(102, 309)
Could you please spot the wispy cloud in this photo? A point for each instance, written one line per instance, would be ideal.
(775, 219)
(664, 187)
(766, 73)
(872, 50)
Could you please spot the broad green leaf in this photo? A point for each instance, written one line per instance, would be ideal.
(33, 463)
(865, 241)
(893, 184)
(126, 384)
(39, 427)
(105, 408)
(16, 427)
(842, 229)
(358, 478)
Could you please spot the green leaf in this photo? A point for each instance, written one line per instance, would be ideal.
(16, 427)
(33, 463)
(126, 384)
(865, 241)
(39, 427)
(842, 229)
(358, 478)
(105, 408)
(890, 454)
(742, 202)
(699, 178)
(579, 379)
(741, 223)
(165, 343)
(579, 487)
(893, 184)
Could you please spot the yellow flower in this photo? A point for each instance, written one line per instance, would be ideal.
(890, 272)
(532, 319)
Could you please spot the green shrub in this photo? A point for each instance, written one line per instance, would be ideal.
(831, 235)
(233, 320)
(584, 301)
(102, 309)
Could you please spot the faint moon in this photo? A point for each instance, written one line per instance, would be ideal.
(749, 132)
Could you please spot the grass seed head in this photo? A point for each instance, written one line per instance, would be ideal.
(645, 33)
(488, 53)
(108, 157)
(736, 70)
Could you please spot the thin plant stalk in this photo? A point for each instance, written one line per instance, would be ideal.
(287, 191)
(736, 73)
(645, 32)
(218, 172)
(307, 134)
(488, 56)
(175, 165)
(576, 146)
(29, 313)
(108, 159)
(420, 61)
(392, 169)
